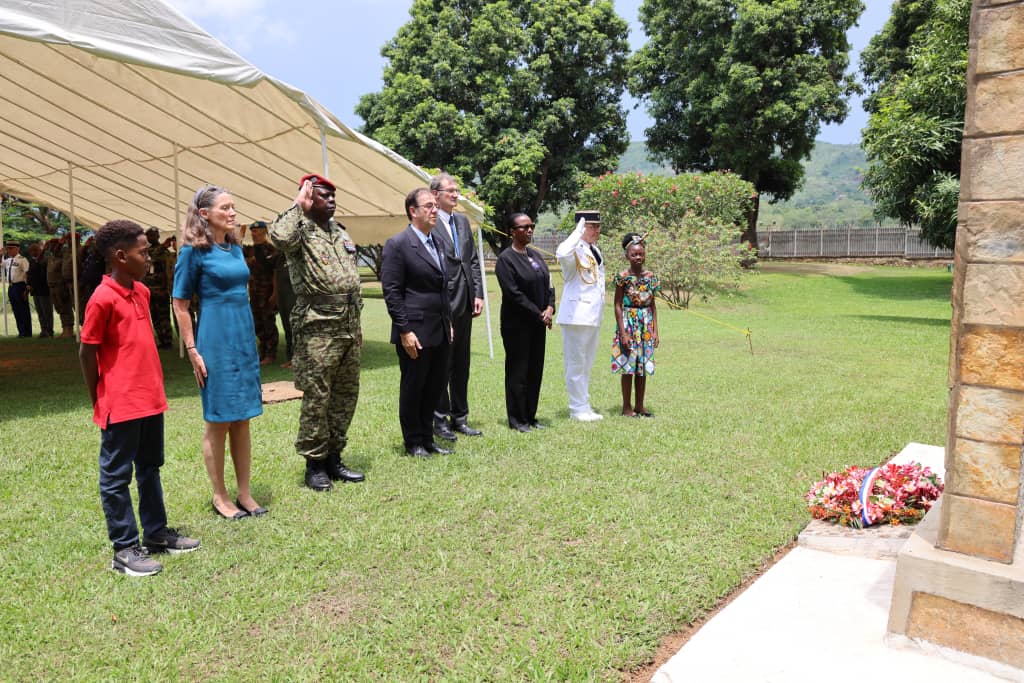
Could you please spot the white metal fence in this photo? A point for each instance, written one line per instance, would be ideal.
(847, 242)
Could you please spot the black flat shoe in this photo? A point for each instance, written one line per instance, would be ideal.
(519, 426)
(257, 511)
(537, 425)
(644, 413)
(417, 452)
(443, 431)
(434, 448)
(238, 515)
(463, 428)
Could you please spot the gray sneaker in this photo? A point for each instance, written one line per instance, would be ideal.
(168, 540)
(135, 561)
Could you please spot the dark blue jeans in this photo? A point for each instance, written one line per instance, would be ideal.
(138, 443)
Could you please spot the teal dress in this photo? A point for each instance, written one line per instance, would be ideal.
(225, 334)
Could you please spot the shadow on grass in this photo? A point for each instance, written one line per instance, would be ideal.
(44, 376)
(931, 322)
(906, 287)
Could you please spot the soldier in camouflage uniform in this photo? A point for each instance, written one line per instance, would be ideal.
(159, 281)
(67, 272)
(325, 321)
(263, 291)
(58, 295)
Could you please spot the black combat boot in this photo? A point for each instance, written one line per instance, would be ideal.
(337, 470)
(316, 475)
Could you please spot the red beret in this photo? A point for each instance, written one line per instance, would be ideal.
(317, 180)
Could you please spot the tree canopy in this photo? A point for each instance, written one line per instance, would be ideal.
(914, 134)
(744, 85)
(517, 98)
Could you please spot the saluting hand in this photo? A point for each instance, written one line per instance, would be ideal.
(304, 199)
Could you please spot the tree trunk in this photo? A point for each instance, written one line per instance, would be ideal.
(750, 233)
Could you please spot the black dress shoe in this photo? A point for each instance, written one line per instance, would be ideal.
(257, 511)
(337, 470)
(417, 452)
(316, 475)
(537, 425)
(443, 431)
(434, 448)
(463, 428)
(238, 515)
(519, 426)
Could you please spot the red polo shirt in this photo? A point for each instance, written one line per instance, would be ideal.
(131, 381)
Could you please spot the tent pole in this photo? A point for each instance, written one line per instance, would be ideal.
(483, 281)
(74, 252)
(323, 151)
(3, 278)
(177, 232)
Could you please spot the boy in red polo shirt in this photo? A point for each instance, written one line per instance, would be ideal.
(126, 384)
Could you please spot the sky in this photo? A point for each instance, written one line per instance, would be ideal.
(332, 50)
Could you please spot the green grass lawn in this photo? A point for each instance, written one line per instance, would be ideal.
(565, 554)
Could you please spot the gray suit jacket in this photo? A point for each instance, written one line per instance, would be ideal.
(464, 278)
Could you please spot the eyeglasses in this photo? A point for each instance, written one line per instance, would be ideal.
(528, 226)
(449, 190)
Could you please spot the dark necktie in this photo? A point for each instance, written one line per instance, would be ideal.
(432, 248)
(455, 236)
(596, 253)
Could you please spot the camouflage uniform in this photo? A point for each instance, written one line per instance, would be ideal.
(158, 280)
(67, 273)
(261, 289)
(285, 300)
(325, 322)
(58, 293)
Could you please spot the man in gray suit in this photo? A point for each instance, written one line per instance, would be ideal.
(466, 301)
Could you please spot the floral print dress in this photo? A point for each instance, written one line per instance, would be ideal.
(637, 299)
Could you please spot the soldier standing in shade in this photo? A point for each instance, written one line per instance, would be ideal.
(285, 303)
(325, 321)
(159, 281)
(58, 294)
(67, 273)
(263, 291)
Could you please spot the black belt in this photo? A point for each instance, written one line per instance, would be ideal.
(328, 299)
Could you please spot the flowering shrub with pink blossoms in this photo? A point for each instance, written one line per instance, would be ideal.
(859, 497)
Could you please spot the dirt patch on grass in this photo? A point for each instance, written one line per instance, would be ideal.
(673, 642)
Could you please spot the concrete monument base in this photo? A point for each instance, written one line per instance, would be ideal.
(958, 602)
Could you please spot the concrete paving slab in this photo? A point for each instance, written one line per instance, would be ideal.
(814, 616)
(276, 392)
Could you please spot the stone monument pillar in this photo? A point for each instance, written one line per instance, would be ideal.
(960, 578)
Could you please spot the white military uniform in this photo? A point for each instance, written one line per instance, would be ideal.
(579, 315)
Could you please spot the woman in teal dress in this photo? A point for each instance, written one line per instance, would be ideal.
(636, 325)
(222, 349)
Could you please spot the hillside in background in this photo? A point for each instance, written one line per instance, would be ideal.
(830, 196)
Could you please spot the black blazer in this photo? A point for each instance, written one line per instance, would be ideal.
(464, 279)
(415, 291)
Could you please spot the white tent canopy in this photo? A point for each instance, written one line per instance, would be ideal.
(113, 109)
(130, 107)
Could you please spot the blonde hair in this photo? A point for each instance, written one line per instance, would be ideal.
(197, 231)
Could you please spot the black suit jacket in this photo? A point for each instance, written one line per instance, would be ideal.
(415, 291)
(464, 280)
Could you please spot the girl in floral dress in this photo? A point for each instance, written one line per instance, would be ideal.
(636, 326)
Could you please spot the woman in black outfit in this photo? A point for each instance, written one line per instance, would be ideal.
(527, 307)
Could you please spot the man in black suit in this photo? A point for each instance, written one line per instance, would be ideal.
(466, 301)
(416, 294)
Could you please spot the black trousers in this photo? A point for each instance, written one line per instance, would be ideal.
(524, 370)
(19, 307)
(454, 401)
(423, 380)
(140, 444)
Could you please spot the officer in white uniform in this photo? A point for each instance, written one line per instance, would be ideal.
(580, 310)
